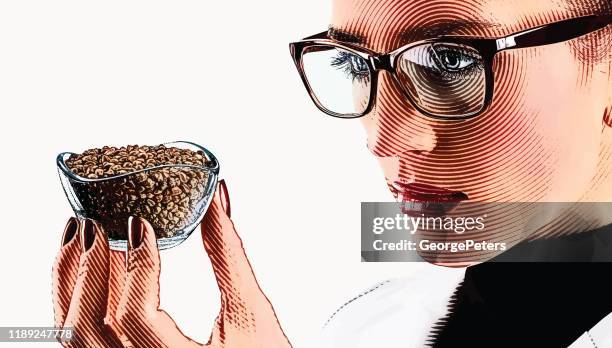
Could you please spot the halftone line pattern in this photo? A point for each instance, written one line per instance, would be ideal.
(466, 233)
(116, 283)
(88, 298)
(396, 124)
(505, 154)
(505, 112)
(115, 302)
(65, 271)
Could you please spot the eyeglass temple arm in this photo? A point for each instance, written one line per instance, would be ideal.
(555, 32)
(293, 45)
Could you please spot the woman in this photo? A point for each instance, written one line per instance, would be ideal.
(458, 121)
(481, 101)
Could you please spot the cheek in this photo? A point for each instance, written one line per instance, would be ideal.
(551, 134)
(361, 94)
(389, 164)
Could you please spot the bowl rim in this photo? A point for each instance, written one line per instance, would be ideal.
(214, 168)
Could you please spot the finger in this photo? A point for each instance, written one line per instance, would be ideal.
(116, 283)
(143, 266)
(65, 271)
(138, 314)
(246, 315)
(89, 299)
(231, 266)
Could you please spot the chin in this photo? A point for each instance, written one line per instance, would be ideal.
(455, 264)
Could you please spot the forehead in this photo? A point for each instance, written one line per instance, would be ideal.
(383, 25)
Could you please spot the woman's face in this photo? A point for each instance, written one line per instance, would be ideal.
(543, 138)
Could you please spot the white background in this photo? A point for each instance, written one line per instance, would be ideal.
(80, 74)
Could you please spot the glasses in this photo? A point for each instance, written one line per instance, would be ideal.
(450, 77)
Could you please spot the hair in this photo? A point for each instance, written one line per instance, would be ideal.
(587, 7)
(595, 47)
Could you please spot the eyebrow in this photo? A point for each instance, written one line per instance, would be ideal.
(440, 28)
(445, 27)
(345, 36)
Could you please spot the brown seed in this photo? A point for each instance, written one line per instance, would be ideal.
(183, 177)
(164, 197)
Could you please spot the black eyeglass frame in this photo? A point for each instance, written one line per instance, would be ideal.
(487, 47)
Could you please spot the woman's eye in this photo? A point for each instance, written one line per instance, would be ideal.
(353, 65)
(358, 65)
(452, 60)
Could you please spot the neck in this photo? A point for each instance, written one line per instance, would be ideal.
(591, 246)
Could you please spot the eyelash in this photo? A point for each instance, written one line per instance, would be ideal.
(342, 61)
(460, 73)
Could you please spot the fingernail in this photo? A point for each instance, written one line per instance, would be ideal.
(607, 120)
(136, 233)
(70, 230)
(88, 235)
(224, 196)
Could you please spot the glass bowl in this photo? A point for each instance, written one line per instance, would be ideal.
(173, 198)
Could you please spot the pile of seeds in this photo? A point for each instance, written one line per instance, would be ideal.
(170, 198)
(110, 161)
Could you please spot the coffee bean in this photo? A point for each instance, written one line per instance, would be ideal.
(166, 196)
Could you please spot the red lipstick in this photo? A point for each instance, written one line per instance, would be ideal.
(418, 198)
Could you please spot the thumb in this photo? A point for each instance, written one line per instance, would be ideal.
(244, 306)
(230, 264)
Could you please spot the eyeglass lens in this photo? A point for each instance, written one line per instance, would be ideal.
(339, 79)
(443, 79)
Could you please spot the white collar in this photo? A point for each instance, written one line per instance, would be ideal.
(600, 336)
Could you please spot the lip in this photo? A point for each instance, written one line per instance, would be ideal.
(427, 193)
(417, 198)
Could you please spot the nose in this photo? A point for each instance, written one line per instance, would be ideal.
(394, 126)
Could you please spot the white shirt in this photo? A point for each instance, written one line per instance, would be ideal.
(600, 336)
(394, 313)
(401, 312)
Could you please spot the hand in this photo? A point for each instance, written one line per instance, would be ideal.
(113, 303)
